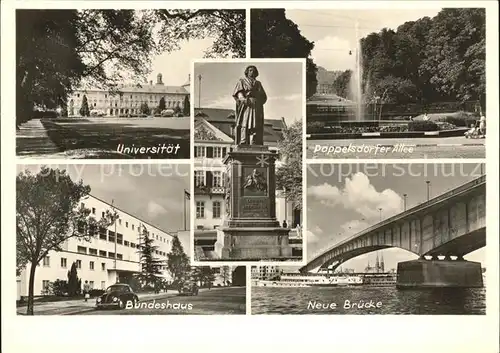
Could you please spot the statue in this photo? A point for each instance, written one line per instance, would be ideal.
(250, 98)
(255, 182)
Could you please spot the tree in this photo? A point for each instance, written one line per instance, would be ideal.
(178, 262)
(84, 110)
(47, 214)
(289, 174)
(161, 104)
(204, 275)
(341, 84)
(150, 265)
(144, 108)
(74, 284)
(225, 274)
(272, 35)
(187, 108)
(239, 276)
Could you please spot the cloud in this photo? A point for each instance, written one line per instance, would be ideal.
(155, 210)
(311, 237)
(225, 102)
(358, 195)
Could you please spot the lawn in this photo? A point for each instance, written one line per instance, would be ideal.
(106, 134)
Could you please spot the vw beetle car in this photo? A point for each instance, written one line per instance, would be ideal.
(117, 296)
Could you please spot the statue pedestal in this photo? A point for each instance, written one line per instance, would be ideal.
(250, 230)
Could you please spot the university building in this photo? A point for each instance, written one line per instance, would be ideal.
(213, 139)
(129, 98)
(264, 273)
(111, 256)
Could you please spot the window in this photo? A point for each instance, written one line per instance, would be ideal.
(82, 249)
(199, 178)
(119, 256)
(111, 255)
(217, 179)
(103, 284)
(111, 237)
(91, 284)
(132, 227)
(82, 205)
(45, 284)
(92, 251)
(102, 253)
(102, 233)
(102, 214)
(93, 210)
(103, 266)
(64, 262)
(200, 209)
(46, 261)
(119, 222)
(200, 152)
(119, 238)
(126, 224)
(79, 264)
(126, 243)
(132, 245)
(216, 209)
(217, 152)
(91, 265)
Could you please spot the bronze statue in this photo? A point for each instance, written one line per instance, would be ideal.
(255, 182)
(250, 98)
(227, 194)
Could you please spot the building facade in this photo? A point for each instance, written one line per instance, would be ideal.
(111, 256)
(264, 273)
(129, 98)
(212, 141)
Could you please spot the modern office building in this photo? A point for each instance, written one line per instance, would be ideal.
(128, 98)
(111, 256)
(213, 139)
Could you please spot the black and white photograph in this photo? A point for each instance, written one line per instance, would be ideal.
(405, 239)
(385, 83)
(248, 150)
(87, 245)
(113, 84)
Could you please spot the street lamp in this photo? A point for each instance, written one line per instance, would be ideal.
(404, 197)
(428, 182)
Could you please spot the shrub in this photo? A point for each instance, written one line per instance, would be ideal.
(59, 287)
(96, 292)
(422, 125)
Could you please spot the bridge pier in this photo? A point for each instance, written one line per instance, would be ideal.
(439, 273)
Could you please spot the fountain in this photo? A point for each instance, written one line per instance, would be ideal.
(356, 81)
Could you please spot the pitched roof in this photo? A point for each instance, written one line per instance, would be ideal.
(223, 119)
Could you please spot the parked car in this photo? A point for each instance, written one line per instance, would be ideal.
(117, 296)
(188, 288)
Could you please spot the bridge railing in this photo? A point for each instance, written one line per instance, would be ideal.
(458, 190)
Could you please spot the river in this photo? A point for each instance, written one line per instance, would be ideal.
(384, 300)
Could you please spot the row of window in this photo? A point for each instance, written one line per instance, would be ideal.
(170, 104)
(78, 263)
(141, 96)
(46, 283)
(92, 251)
(119, 223)
(210, 151)
(208, 178)
(216, 209)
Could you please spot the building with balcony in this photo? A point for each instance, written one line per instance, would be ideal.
(213, 139)
(128, 99)
(111, 256)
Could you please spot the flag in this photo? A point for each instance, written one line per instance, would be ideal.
(187, 194)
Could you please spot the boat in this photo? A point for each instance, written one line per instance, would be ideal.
(311, 280)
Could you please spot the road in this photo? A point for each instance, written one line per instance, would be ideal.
(217, 301)
(409, 148)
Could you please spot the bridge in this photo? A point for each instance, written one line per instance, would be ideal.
(451, 224)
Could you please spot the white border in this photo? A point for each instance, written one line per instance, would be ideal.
(247, 334)
(304, 240)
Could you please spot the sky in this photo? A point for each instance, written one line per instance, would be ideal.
(282, 81)
(151, 192)
(175, 67)
(345, 199)
(334, 31)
